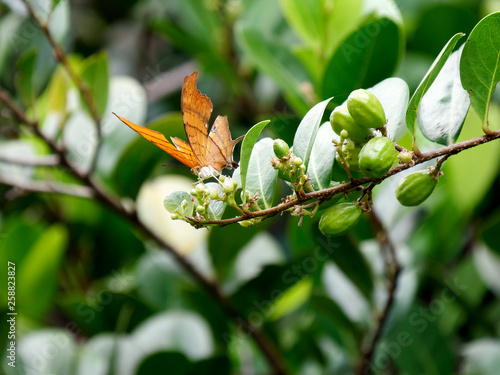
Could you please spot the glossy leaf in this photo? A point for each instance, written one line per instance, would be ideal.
(322, 157)
(246, 150)
(276, 60)
(261, 176)
(306, 132)
(430, 76)
(95, 75)
(444, 106)
(393, 94)
(364, 58)
(480, 64)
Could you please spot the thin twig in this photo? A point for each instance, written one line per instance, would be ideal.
(50, 187)
(392, 269)
(42, 161)
(60, 54)
(267, 347)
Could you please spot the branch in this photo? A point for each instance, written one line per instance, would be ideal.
(268, 349)
(392, 269)
(60, 54)
(43, 161)
(330, 192)
(50, 187)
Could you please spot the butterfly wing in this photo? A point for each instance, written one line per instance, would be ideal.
(220, 145)
(181, 151)
(196, 110)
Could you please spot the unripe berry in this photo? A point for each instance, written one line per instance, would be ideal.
(415, 188)
(280, 148)
(340, 119)
(340, 219)
(377, 157)
(366, 109)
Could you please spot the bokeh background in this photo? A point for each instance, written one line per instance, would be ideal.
(96, 296)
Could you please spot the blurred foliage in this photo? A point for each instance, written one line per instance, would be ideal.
(95, 297)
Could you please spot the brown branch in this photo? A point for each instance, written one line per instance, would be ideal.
(392, 269)
(50, 187)
(60, 54)
(330, 192)
(44, 161)
(267, 347)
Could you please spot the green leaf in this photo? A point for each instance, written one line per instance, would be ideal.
(444, 106)
(338, 26)
(306, 18)
(291, 299)
(275, 59)
(246, 151)
(158, 281)
(470, 174)
(216, 208)
(393, 94)
(481, 356)
(257, 297)
(261, 176)
(322, 157)
(306, 132)
(173, 202)
(95, 76)
(480, 64)
(430, 76)
(57, 91)
(364, 58)
(37, 278)
(24, 79)
(63, 351)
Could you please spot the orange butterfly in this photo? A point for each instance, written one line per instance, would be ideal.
(206, 153)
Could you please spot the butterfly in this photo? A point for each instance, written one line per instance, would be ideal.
(206, 153)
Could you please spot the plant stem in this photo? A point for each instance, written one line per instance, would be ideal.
(392, 269)
(60, 54)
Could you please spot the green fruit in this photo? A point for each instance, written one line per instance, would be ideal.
(377, 157)
(415, 188)
(340, 219)
(366, 109)
(340, 119)
(280, 148)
